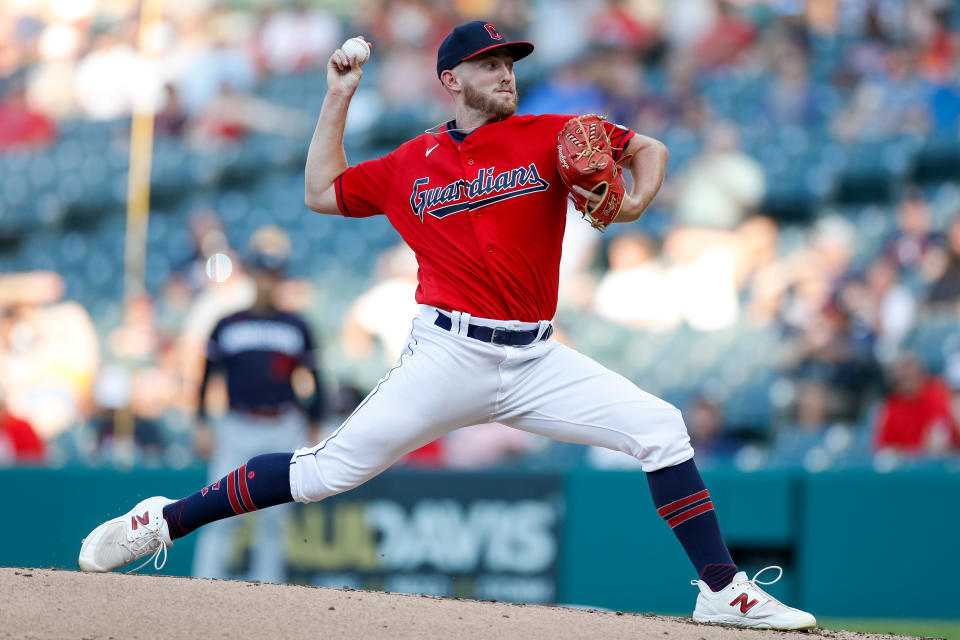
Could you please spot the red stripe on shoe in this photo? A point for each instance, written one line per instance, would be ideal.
(244, 492)
(667, 509)
(686, 515)
(232, 493)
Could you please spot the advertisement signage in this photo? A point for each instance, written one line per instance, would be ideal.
(467, 535)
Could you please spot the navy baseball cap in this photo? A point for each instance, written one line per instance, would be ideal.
(472, 39)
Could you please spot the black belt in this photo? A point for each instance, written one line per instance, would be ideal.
(496, 335)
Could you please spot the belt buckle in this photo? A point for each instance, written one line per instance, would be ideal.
(493, 336)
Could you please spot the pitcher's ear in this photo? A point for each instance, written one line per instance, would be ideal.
(450, 80)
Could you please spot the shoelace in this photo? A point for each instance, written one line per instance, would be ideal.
(754, 580)
(757, 575)
(157, 563)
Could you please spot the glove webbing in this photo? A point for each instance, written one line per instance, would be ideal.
(589, 151)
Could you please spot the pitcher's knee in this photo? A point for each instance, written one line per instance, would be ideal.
(317, 473)
(305, 484)
(667, 454)
(663, 440)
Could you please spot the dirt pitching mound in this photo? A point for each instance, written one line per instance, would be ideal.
(45, 603)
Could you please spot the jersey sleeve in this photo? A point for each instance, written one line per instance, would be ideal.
(362, 190)
(620, 137)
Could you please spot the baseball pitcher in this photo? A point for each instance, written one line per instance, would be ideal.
(482, 204)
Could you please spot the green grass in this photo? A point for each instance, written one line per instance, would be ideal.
(949, 629)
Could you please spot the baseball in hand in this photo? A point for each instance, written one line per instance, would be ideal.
(357, 47)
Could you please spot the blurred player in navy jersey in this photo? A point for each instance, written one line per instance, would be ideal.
(258, 351)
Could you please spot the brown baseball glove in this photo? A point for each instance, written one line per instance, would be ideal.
(585, 159)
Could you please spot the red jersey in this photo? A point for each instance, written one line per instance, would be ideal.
(23, 440)
(485, 216)
(905, 422)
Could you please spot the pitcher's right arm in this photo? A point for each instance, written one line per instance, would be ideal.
(326, 159)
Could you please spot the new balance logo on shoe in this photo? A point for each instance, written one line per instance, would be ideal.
(144, 520)
(744, 605)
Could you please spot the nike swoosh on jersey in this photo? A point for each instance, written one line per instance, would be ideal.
(430, 150)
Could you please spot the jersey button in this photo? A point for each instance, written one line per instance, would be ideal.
(470, 161)
(489, 248)
(478, 213)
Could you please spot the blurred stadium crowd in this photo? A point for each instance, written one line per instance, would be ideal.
(795, 288)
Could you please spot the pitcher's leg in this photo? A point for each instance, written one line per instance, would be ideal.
(445, 383)
(442, 382)
(263, 481)
(568, 396)
(683, 501)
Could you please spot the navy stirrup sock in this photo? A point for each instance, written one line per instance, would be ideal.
(682, 500)
(264, 481)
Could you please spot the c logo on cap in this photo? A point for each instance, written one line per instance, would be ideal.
(492, 30)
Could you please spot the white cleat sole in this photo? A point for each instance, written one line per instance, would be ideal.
(86, 560)
(736, 621)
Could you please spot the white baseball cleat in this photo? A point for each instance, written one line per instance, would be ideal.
(118, 542)
(744, 604)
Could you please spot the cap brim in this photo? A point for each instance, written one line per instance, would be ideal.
(518, 50)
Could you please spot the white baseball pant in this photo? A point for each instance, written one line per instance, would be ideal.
(445, 380)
